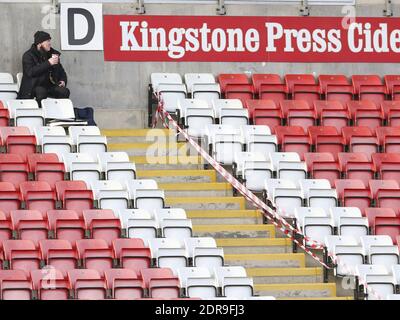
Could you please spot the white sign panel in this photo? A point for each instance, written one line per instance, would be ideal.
(81, 26)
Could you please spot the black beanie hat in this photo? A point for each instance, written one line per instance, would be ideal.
(41, 36)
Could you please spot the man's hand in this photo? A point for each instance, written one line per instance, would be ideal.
(53, 60)
(61, 84)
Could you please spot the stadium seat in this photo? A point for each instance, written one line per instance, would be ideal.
(58, 109)
(6, 78)
(369, 87)
(343, 212)
(353, 226)
(74, 195)
(360, 139)
(377, 282)
(124, 284)
(15, 285)
(174, 223)
(5, 227)
(204, 252)
(110, 195)
(66, 225)
(87, 284)
(269, 87)
(336, 88)
(356, 166)
(4, 117)
(293, 139)
(353, 193)
(234, 282)
(196, 115)
(49, 284)
(18, 140)
(102, 224)
(139, 223)
(230, 112)
(380, 250)
(13, 105)
(388, 226)
(392, 83)
(8, 91)
(268, 117)
(82, 166)
(231, 79)
(10, 198)
(258, 138)
(169, 253)
(14, 172)
(259, 104)
(53, 140)
(29, 225)
(202, 86)
(322, 165)
(161, 283)
(38, 195)
(371, 213)
(146, 194)
(21, 255)
(95, 254)
(59, 254)
(387, 165)
(391, 112)
(88, 139)
(292, 80)
(198, 282)
(132, 254)
(46, 167)
(116, 166)
(242, 92)
(30, 118)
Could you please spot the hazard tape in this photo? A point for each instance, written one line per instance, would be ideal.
(278, 221)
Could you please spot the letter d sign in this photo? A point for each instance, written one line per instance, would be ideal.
(81, 26)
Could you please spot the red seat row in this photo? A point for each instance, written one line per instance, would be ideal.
(305, 87)
(85, 253)
(124, 284)
(323, 113)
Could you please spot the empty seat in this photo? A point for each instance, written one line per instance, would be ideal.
(258, 138)
(169, 253)
(59, 254)
(174, 223)
(18, 140)
(255, 104)
(15, 285)
(82, 166)
(66, 225)
(392, 83)
(356, 166)
(111, 195)
(5, 227)
(95, 254)
(268, 117)
(353, 193)
(230, 111)
(360, 139)
(46, 167)
(74, 195)
(6, 77)
(87, 284)
(369, 87)
(161, 283)
(336, 88)
(58, 109)
(53, 140)
(29, 225)
(124, 284)
(139, 223)
(88, 139)
(132, 254)
(343, 212)
(8, 91)
(377, 282)
(102, 224)
(234, 282)
(146, 194)
(50, 284)
(387, 165)
(117, 166)
(227, 79)
(10, 199)
(14, 172)
(202, 86)
(204, 252)
(169, 89)
(322, 165)
(292, 80)
(380, 250)
(196, 115)
(269, 87)
(198, 282)
(388, 226)
(22, 255)
(38, 195)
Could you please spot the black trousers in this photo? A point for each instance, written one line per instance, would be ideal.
(52, 92)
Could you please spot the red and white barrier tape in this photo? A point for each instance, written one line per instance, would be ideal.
(275, 218)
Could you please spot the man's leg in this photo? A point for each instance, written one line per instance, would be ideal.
(59, 92)
(40, 94)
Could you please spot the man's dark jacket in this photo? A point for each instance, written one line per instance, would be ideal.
(37, 71)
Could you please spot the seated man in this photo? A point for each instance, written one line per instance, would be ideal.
(43, 74)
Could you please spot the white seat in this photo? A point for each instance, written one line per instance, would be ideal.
(204, 252)
(164, 78)
(254, 168)
(82, 166)
(395, 270)
(117, 166)
(348, 252)
(60, 109)
(234, 281)
(19, 79)
(139, 224)
(380, 250)
(125, 214)
(356, 226)
(230, 111)
(6, 78)
(198, 282)
(192, 79)
(197, 115)
(169, 253)
(53, 140)
(219, 104)
(8, 91)
(291, 170)
(338, 212)
(225, 141)
(76, 131)
(133, 185)
(110, 195)
(187, 104)
(13, 105)
(107, 157)
(377, 281)
(146, 194)
(174, 223)
(393, 297)
(258, 138)
(203, 86)
(30, 118)
(271, 184)
(277, 157)
(88, 139)
(301, 213)
(286, 200)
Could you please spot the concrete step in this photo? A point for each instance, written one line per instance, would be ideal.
(255, 245)
(138, 135)
(270, 260)
(207, 203)
(167, 162)
(285, 275)
(197, 189)
(225, 216)
(234, 231)
(178, 176)
(149, 149)
(296, 290)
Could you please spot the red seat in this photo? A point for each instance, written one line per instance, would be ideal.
(391, 112)
(132, 254)
(102, 224)
(38, 195)
(371, 213)
(15, 285)
(5, 228)
(46, 167)
(321, 105)
(29, 225)
(10, 199)
(66, 225)
(298, 79)
(332, 113)
(269, 87)
(14, 172)
(304, 118)
(356, 166)
(376, 185)
(242, 92)
(382, 132)
(315, 131)
(5, 132)
(387, 165)
(336, 88)
(306, 92)
(59, 254)
(268, 117)
(74, 195)
(388, 198)
(287, 105)
(369, 87)
(282, 131)
(161, 283)
(354, 106)
(95, 254)
(392, 83)
(87, 284)
(353, 193)
(22, 255)
(50, 284)
(322, 165)
(11, 158)
(124, 284)
(360, 139)
(4, 117)
(296, 143)
(369, 118)
(391, 143)
(226, 79)
(253, 104)
(329, 143)
(388, 226)
(23, 145)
